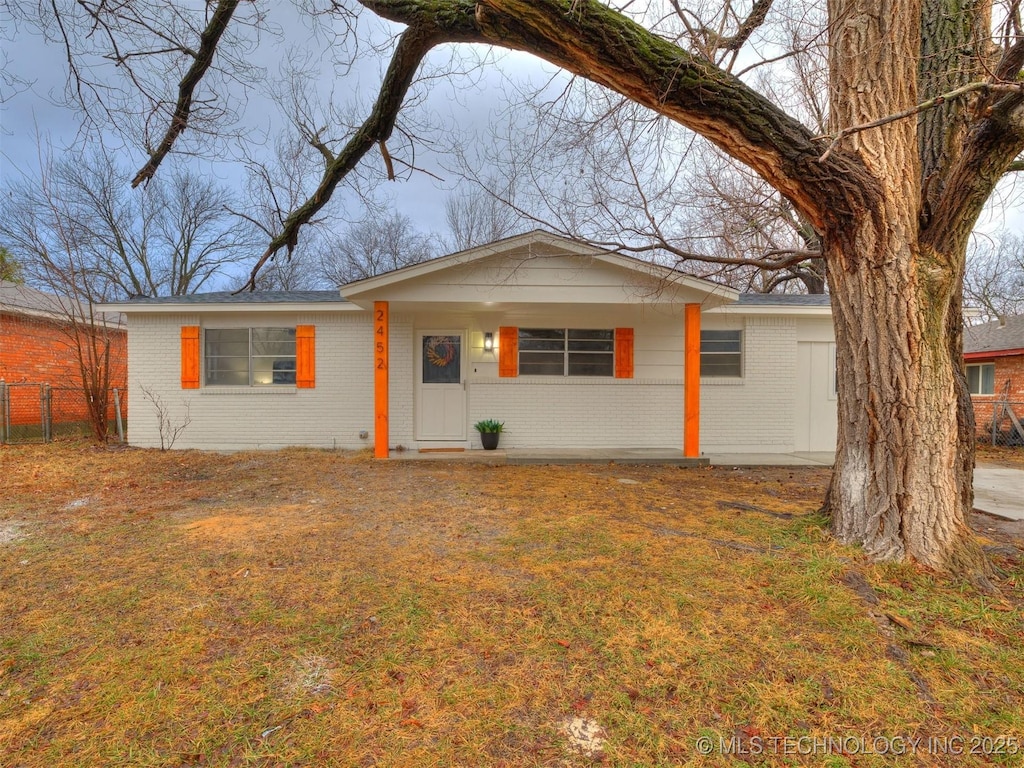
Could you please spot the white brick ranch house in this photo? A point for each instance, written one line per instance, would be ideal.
(567, 344)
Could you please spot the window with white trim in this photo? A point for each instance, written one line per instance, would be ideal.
(981, 379)
(252, 357)
(721, 353)
(566, 352)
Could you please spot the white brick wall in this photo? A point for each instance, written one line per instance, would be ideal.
(542, 412)
(229, 418)
(400, 382)
(754, 413)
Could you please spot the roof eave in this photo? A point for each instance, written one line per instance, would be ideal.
(223, 307)
(986, 354)
(773, 309)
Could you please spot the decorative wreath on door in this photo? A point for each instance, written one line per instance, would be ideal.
(441, 351)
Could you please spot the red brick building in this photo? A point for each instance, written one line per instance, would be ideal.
(45, 339)
(994, 356)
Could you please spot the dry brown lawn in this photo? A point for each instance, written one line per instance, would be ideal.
(1002, 455)
(307, 608)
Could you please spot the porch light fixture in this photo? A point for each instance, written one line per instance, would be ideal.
(488, 341)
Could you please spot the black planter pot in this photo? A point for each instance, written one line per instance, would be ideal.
(489, 440)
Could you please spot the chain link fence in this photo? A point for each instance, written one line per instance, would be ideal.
(999, 422)
(39, 413)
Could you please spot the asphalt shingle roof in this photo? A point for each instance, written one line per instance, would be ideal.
(21, 299)
(783, 300)
(993, 337)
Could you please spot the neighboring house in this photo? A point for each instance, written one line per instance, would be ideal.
(567, 344)
(40, 335)
(994, 357)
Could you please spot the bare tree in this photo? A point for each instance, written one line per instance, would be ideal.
(925, 116)
(595, 166)
(195, 237)
(378, 244)
(80, 234)
(275, 186)
(170, 430)
(479, 214)
(56, 257)
(994, 282)
(170, 239)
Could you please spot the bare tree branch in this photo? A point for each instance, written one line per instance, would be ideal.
(412, 46)
(186, 90)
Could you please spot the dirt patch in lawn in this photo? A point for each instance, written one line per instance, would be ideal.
(10, 532)
(317, 608)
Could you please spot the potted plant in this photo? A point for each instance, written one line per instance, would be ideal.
(490, 431)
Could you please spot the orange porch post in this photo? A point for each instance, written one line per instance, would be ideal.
(380, 379)
(691, 381)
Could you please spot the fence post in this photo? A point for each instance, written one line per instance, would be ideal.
(44, 408)
(117, 416)
(4, 415)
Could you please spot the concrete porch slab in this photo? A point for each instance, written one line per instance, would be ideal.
(669, 456)
(801, 459)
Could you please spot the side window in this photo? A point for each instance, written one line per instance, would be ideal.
(981, 379)
(721, 353)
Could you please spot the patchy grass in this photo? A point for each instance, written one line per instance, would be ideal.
(313, 608)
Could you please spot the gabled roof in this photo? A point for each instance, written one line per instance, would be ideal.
(548, 242)
(995, 337)
(246, 297)
(784, 300)
(813, 305)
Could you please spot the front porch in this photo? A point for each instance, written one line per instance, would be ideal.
(664, 456)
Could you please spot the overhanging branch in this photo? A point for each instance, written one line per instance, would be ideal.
(186, 89)
(412, 46)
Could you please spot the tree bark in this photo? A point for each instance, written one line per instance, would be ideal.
(901, 485)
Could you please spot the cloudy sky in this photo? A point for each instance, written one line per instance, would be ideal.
(30, 113)
(465, 106)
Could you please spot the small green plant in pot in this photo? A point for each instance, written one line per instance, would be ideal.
(490, 432)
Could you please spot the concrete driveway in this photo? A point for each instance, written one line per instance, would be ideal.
(999, 491)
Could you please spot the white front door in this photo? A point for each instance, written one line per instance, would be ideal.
(440, 386)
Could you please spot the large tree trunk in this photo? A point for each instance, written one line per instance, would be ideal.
(901, 485)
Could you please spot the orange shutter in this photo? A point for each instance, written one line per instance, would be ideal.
(508, 352)
(305, 356)
(190, 357)
(624, 353)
